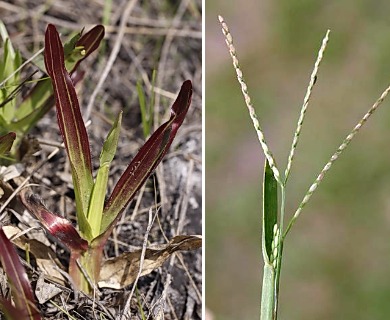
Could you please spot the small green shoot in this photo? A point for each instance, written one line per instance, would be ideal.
(146, 109)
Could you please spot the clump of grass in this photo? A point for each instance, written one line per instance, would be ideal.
(273, 231)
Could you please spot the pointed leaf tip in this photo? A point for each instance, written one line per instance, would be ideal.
(146, 160)
(53, 51)
(90, 41)
(184, 97)
(71, 123)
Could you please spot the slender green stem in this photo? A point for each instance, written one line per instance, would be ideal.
(280, 247)
(282, 206)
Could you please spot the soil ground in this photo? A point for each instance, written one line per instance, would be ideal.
(161, 35)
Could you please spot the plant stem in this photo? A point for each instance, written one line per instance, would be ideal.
(280, 248)
(90, 262)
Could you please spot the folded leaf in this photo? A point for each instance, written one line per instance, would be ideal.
(269, 219)
(99, 191)
(270, 211)
(58, 226)
(90, 41)
(19, 282)
(147, 159)
(71, 123)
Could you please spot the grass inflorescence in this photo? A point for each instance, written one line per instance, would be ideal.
(273, 216)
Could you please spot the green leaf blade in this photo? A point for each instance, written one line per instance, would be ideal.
(36, 98)
(95, 210)
(270, 211)
(11, 60)
(111, 142)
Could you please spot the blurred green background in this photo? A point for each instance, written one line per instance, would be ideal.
(337, 257)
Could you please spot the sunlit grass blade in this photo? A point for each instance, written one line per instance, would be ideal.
(11, 61)
(152, 95)
(145, 114)
(100, 187)
(71, 125)
(146, 108)
(11, 57)
(20, 284)
(147, 159)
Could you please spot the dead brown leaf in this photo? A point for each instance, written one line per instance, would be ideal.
(122, 271)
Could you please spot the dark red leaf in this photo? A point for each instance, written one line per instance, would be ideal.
(70, 120)
(147, 159)
(90, 41)
(19, 282)
(58, 226)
